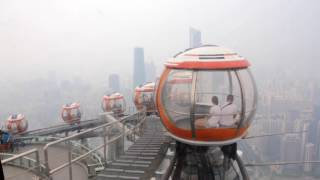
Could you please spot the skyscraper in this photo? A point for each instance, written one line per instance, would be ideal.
(318, 141)
(304, 139)
(114, 82)
(272, 145)
(194, 38)
(309, 156)
(291, 152)
(139, 75)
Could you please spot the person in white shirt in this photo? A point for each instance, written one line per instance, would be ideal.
(212, 120)
(215, 113)
(228, 113)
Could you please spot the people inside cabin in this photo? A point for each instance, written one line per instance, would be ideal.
(14, 116)
(117, 106)
(212, 121)
(145, 98)
(228, 113)
(78, 113)
(215, 113)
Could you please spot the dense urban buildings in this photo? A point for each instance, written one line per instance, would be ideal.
(291, 152)
(290, 107)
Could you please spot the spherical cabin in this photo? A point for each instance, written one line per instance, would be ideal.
(114, 103)
(16, 123)
(71, 113)
(144, 97)
(207, 96)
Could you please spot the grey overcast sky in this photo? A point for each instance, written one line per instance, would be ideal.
(90, 38)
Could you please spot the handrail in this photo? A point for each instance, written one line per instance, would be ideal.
(27, 158)
(95, 157)
(104, 126)
(36, 151)
(22, 155)
(82, 156)
(78, 134)
(56, 126)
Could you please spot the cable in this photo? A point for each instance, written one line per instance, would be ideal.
(275, 134)
(281, 163)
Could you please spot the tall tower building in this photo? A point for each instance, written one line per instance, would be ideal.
(304, 139)
(272, 144)
(139, 74)
(291, 152)
(309, 156)
(318, 141)
(194, 38)
(114, 82)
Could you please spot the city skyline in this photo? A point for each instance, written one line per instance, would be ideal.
(53, 53)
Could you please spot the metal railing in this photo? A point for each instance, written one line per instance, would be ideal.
(96, 158)
(49, 172)
(23, 160)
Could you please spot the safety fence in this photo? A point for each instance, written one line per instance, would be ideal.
(112, 133)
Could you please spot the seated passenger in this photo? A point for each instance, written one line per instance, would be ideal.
(228, 113)
(215, 113)
(212, 120)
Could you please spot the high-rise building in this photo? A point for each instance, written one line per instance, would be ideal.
(194, 38)
(139, 75)
(291, 152)
(318, 141)
(309, 156)
(150, 71)
(114, 82)
(304, 139)
(272, 144)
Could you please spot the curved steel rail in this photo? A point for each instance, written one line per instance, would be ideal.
(141, 118)
(25, 162)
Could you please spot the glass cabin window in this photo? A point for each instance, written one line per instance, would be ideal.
(147, 98)
(176, 97)
(213, 106)
(250, 95)
(210, 99)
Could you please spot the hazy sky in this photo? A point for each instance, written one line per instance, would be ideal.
(91, 38)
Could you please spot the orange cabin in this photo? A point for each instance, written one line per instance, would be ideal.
(114, 103)
(16, 123)
(71, 113)
(207, 96)
(144, 97)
